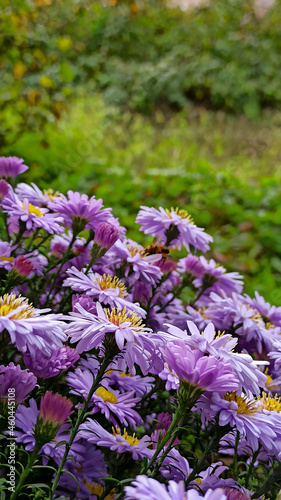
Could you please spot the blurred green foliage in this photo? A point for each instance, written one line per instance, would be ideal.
(224, 170)
(140, 54)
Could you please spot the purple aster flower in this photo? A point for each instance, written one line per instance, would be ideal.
(246, 415)
(217, 278)
(147, 488)
(140, 265)
(6, 259)
(85, 301)
(271, 315)
(26, 418)
(205, 373)
(114, 405)
(28, 327)
(33, 217)
(80, 212)
(176, 467)
(171, 377)
(105, 288)
(87, 473)
(121, 443)
(198, 317)
(89, 330)
(22, 381)
(35, 195)
(191, 265)
(174, 228)
(128, 382)
(11, 166)
(275, 354)
(44, 366)
(249, 377)
(234, 494)
(164, 421)
(4, 189)
(253, 333)
(111, 403)
(60, 243)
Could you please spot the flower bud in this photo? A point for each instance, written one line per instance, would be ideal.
(106, 235)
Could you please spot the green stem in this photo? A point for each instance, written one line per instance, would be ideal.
(197, 297)
(221, 431)
(250, 469)
(32, 458)
(272, 477)
(235, 454)
(80, 418)
(41, 242)
(64, 259)
(176, 418)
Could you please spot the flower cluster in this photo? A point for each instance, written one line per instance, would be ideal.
(118, 387)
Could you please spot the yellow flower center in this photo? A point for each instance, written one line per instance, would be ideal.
(270, 404)
(9, 303)
(33, 210)
(180, 212)
(106, 281)
(256, 316)
(106, 395)
(244, 407)
(98, 489)
(132, 440)
(124, 374)
(134, 250)
(51, 194)
(9, 259)
(117, 317)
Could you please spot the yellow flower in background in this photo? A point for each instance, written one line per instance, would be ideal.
(33, 96)
(42, 3)
(46, 81)
(64, 43)
(19, 70)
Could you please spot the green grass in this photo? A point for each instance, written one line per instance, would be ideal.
(224, 170)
